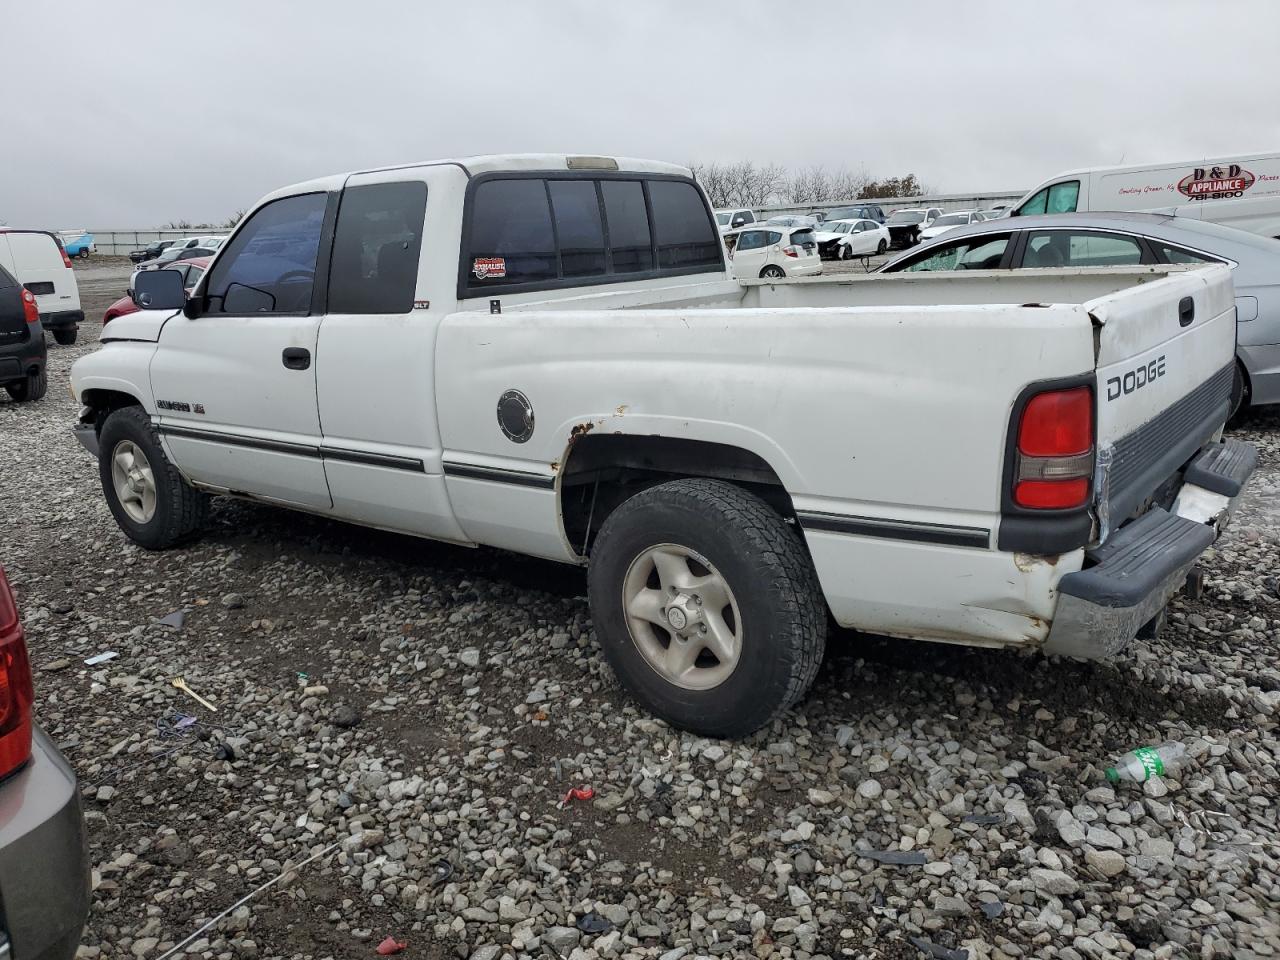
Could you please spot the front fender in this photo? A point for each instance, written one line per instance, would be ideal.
(120, 367)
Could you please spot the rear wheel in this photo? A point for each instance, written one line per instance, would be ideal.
(882, 246)
(1239, 392)
(66, 336)
(84, 253)
(773, 272)
(33, 387)
(150, 500)
(707, 606)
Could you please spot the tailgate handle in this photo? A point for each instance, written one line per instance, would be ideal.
(1186, 311)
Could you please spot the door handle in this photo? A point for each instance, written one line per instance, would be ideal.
(296, 358)
(1186, 311)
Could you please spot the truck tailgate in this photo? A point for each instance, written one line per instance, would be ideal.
(1165, 352)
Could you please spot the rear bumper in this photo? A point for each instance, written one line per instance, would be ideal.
(61, 319)
(1144, 563)
(44, 867)
(19, 359)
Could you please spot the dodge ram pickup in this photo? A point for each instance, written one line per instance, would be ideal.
(550, 354)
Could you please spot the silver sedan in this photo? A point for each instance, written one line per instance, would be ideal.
(1119, 239)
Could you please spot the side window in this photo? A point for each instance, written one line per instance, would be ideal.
(685, 235)
(511, 240)
(629, 241)
(1035, 205)
(748, 216)
(578, 227)
(1171, 254)
(269, 266)
(1063, 197)
(1063, 248)
(977, 253)
(772, 237)
(193, 276)
(751, 240)
(375, 248)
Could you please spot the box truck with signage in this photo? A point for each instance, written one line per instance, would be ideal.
(1241, 192)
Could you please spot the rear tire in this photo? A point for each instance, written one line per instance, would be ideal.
(33, 387)
(84, 253)
(66, 336)
(1239, 393)
(881, 247)
(172, 511)
(773, 272)
(738, 566)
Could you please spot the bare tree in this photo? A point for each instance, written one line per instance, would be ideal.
(232, 220)
(746, 184)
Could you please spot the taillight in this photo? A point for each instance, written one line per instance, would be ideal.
(791, 251)
(1055, 450)
(29, 308)
(16, 692)
(66, 261)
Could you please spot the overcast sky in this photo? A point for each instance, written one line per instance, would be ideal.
(134, 115)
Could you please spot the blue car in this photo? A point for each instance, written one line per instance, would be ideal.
(81, 246)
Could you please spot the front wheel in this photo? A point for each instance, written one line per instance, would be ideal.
(66, 336)
(773, 272)
(32, 387)
(846, 253)
(150, 500)
(707, 606)
(83, 254)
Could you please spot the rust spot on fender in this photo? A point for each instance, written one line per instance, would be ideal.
(621, 410)
(555, 466)
(1027, 562)
(580, 429)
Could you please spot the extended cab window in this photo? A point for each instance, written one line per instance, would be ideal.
(629, 244)
(270, 264)
(1067, 248)
(512, 240)
(375, 248)
(578, 227)
(975, 253)
(686, 237)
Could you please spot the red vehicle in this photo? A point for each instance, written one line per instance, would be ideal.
(191, 271)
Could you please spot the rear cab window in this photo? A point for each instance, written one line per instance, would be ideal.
(545, 231)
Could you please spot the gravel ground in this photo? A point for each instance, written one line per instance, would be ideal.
(417, 712)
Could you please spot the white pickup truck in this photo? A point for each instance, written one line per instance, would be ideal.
(549, 354)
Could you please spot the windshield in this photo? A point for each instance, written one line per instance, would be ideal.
(722, 219)
(170, 253)
(844, 213)
(907, 216)
(951, 219)
(836, 227)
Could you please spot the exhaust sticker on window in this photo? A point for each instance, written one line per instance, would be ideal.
(489, 268)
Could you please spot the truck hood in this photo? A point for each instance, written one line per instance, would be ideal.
(141, 325)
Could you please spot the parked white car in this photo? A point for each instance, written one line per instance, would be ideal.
(846, 239)
(981, 458)
(773, 251)
(1241, 192)
(728, 220)
(42, 266)
(905, 225)
(957, 218)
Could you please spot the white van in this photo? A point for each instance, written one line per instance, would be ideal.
(1241, 192)
(41, 265)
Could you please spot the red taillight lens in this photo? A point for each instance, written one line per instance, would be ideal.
(29, 307)
(66, 261)
(1058, 423)
(791, 251)
(1055, 450)
(16, 692)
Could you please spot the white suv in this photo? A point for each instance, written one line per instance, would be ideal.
(773, 251)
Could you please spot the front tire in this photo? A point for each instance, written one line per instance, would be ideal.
(84, 253)
(150, 500)
(66, 336)
(33, 387)
(846, 253)
(707, 606)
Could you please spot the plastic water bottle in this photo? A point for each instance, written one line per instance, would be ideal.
(1147, 762)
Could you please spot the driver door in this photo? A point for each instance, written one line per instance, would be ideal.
(235, 387)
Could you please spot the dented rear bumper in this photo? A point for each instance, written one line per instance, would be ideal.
(1128, 579)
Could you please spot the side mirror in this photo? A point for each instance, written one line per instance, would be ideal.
(159, 290)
